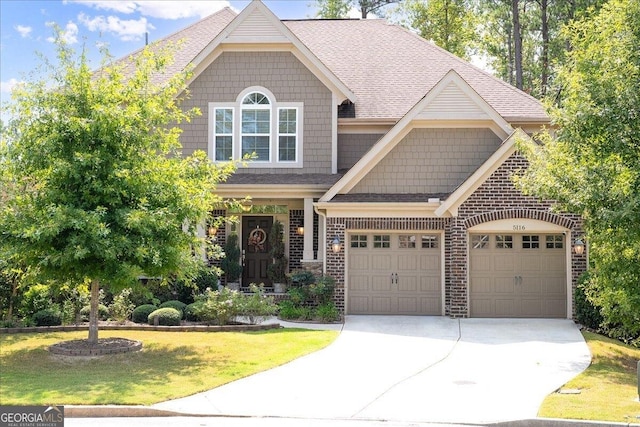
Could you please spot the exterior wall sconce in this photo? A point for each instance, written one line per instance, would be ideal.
(212, 230)
(578, 246)
(300, 231)
(335, 245)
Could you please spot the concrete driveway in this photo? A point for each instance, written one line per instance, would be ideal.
(422, 369)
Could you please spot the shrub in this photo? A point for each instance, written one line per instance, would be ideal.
(141, 314)
(586, 313)
(291, 311)
(38, 297)
(48, 317)
(165, 317)
(121, 308)
(103, 312)
(327, 312)
(302, 278)
(298, 295)
(178, 305)
(256, 307)
(231, 261)
(322, 290)
(190, 312)
(219, 307)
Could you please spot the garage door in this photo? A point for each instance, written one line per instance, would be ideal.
(394, 274)
(517, 275)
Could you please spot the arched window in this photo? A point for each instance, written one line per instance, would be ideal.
(256, 124)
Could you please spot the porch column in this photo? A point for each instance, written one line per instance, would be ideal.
(308, 253)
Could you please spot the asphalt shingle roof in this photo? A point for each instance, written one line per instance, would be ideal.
(387, 67)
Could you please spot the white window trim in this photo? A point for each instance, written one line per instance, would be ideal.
(274, 137)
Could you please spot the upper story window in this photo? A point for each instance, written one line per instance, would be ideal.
(256, 124)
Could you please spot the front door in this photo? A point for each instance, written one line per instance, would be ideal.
(255, 247)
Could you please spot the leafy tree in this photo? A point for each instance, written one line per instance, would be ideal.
(592, 164)
(95, 185)
(448, 23)
(334, 9)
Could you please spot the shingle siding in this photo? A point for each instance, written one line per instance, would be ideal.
(430, 161)
(351, 147)
(289, 81)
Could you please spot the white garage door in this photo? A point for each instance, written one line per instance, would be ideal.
(517, 275)
(394, 273)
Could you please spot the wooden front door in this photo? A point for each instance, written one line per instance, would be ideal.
(255, 247)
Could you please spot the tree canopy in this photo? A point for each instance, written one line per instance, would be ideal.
(591, 165)
(95, 188)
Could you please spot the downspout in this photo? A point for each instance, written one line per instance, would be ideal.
(323, 226)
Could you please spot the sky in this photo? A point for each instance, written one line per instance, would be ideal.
(27, 27)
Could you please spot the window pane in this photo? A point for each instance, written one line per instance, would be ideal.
(480, 241)
(256, 121)
(287, 149)
(255, 98)
(287, 121)
(224, 148)
(530, 242)
(555, 242)
(407, 242)
(382, 241)
(359, 241)
(429, 241)
(504, 242)
(258, 145)
(224, 121)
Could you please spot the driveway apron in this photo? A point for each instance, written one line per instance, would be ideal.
(429, 369)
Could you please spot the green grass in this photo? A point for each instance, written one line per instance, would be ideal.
(170, 365)
(608, 388)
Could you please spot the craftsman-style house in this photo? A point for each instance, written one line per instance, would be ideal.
(387, 159)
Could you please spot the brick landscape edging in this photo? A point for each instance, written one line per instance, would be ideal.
(185, 328)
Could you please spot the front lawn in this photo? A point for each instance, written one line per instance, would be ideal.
(608, 388)
(170, 365)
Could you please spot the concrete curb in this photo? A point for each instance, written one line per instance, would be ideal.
(117, 411)
(559, 422)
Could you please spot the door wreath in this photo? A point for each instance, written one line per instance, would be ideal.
(257, 237)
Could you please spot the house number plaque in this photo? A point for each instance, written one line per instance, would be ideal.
(519, 227)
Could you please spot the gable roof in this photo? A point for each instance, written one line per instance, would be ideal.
(257, 25)
(390, 68)
(434, 105)
(471, 184)
(385, 68)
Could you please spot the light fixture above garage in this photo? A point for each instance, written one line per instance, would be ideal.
(578, 246)
(300, 231)
(335, 246)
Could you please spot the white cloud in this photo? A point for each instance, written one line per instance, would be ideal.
(126, 30)
(23, 30)
(158, 9)
(69, 33)
(7, 86)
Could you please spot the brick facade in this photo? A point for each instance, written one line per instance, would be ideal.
(497, 198)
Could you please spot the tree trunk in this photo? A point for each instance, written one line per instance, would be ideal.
(545, 48)
(93, 314)
(517, 42)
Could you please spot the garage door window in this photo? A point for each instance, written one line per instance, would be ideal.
(407, 242)
(429, 241)
(381, 241)
(530, 242)
(555, 241)
(504, 241)
(359, 241)
(480, 241)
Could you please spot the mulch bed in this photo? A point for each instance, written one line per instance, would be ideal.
(104, 346)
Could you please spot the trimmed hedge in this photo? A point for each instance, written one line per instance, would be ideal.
(166, 317)
(47, 317)
(141, 314)
(178, 305)
(190, 312)
(103, 312)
